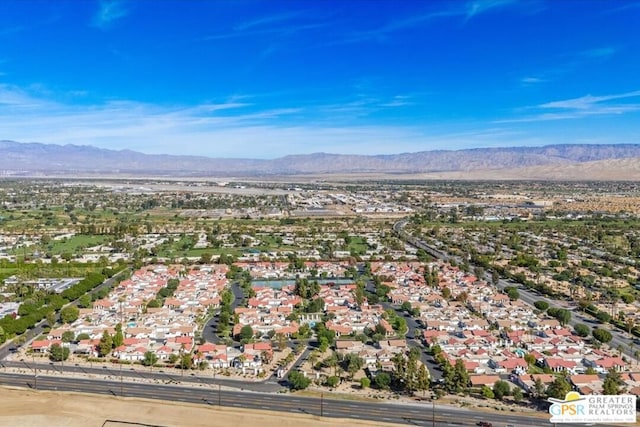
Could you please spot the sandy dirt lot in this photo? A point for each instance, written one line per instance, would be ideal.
(25, 408)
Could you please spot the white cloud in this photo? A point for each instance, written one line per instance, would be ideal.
(238, 127)
(584, 106)
(266, 20)
(588, 102)
(531, 80)
(467, 10)
(225, 129)
(477, 7)
(108, 12)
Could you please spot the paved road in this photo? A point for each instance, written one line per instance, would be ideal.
(129, 373)
(420, 414)
(620, 339)
(413, 336)
(209, 332)
(34, 332)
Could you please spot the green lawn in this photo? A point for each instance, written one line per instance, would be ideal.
(75, 244)
(357, 245)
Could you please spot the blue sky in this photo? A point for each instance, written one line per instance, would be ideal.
(262, 79)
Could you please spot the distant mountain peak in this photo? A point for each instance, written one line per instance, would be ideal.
(51, 159)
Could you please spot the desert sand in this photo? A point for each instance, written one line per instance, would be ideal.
(27, 408)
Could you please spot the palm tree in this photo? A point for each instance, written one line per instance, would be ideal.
(281, 340)
(313, 358)
(630, 324)
(266, 356)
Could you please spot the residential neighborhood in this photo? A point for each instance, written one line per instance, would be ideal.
(376, 303)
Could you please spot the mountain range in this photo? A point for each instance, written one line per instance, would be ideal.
(564, 161)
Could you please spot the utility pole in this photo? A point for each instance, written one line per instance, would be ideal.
(219, 395)
(321, 404)
(35, 372)
(121, 383)
(433, 413)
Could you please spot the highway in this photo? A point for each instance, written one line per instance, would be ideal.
(137, 373)
(419, 414)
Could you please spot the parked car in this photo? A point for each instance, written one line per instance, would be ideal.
(484, 424)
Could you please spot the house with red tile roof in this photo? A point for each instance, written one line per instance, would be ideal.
(388, 329)
(586, 383)
(508, 365)
(559, 365)
(42, 346)
(483, 380)
(606, 363)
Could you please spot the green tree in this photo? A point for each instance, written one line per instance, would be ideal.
(322, 331)
(85, 301)
(333, 381)
(563, 315)
(603, 316)
(627, 298)
(461, 377)
(559, 388)
(304, 331)
(582, 329)
(298, 381)
(281, 341)
(530, 359)
(57, 353)
(331, 362)
(365, 382)
(118, 337)
(51, 318)
(602, 335)
(382, 381)
(487, 393)
(501, 389)
(353, 364)
(613, 383)
(150, 359)
(541, 305)
(406, 306)
(246, 333)
(513, 294)
(517, 394)
(411, 376)
(186, 361)
(68, 336)
(538, 387)
(83, 336)
(359, 293)
(495, 277)
(423, 381)
(105, 345)
(69, 314)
